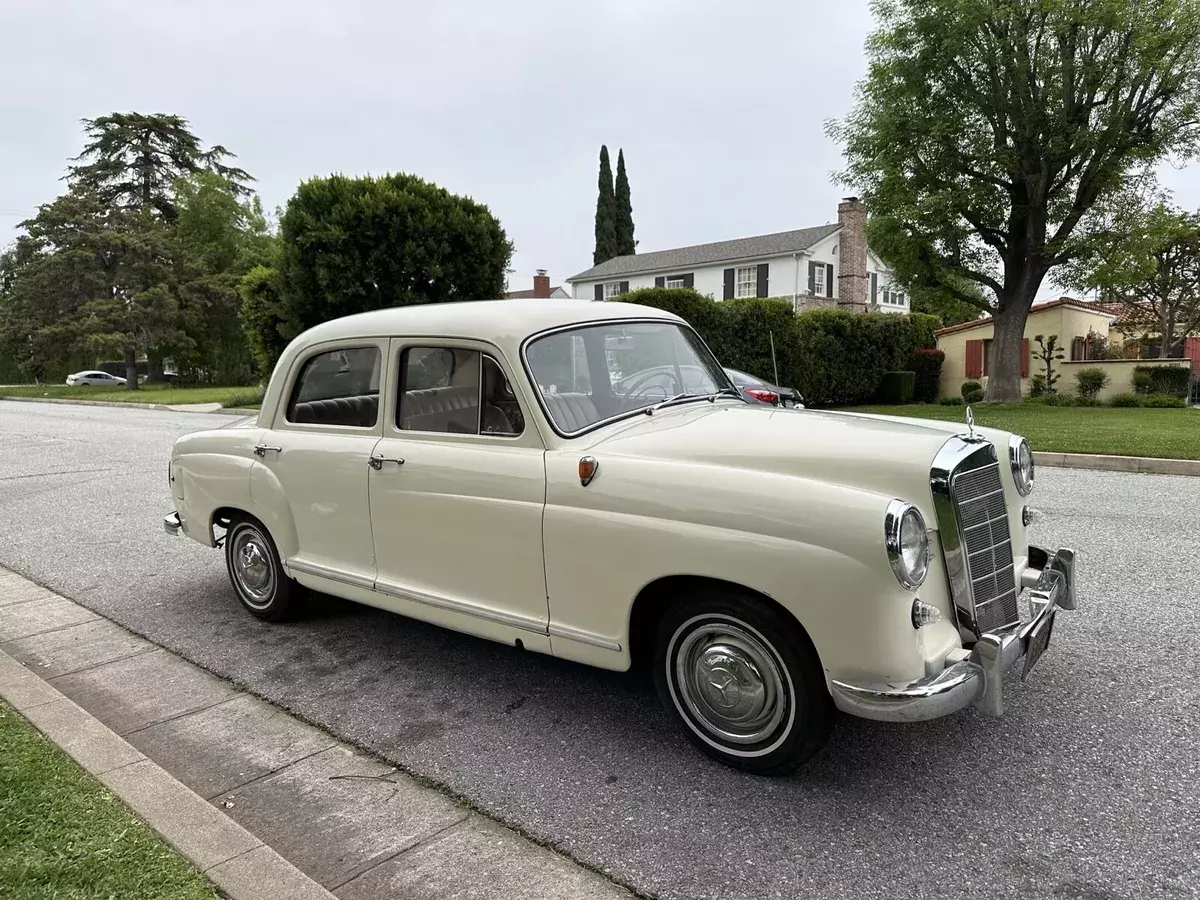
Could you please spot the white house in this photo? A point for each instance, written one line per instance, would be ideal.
(829, 265)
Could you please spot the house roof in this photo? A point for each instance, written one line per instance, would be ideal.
(530, 294)
(1037, 308)
(778, 244)
(1131, 314)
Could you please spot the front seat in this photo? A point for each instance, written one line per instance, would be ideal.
(571, 411)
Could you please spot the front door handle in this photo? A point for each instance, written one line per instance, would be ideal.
(376, 462)
(261, 450)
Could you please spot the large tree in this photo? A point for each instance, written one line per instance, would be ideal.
(606, 213)
(134, 159)
(987, 131)
(625, 243)
(354, 244)
(1152, 267)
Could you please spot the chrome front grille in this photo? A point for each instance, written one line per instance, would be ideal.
(972, 516)
(983, 519)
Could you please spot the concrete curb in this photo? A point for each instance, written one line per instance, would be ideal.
(1146, 465)
(120, 404)
(266, 806)
(241, 865)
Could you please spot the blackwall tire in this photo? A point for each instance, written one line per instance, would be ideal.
(743, 681)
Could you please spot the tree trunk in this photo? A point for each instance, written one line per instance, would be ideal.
(131, 374)
(1004, 376)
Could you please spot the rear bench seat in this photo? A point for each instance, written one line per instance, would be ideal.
(449, 409)
(359, 412)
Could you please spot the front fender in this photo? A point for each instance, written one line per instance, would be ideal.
(816, 548)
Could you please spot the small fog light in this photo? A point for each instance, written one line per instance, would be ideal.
(1026, 516)
(924, 614)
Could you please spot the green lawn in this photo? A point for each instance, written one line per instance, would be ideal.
(63, 836)
(146, 393)
(1164, 433)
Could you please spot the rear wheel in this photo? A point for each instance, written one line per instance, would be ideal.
(743, 681)
(256, 571)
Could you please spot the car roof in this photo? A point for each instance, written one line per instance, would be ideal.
(491, 320)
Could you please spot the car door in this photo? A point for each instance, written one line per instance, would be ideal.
(318, 449)
(457, 493)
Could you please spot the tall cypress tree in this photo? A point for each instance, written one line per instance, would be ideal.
(606, 213)
(626, 245)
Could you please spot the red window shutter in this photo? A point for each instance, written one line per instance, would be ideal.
(974, 359)
(1191, 350)
(1024, 357)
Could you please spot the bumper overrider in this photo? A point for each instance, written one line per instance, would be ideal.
(977, 680)
(172, 523)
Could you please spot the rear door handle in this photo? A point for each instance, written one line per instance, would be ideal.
(376, 462)
(261, 450)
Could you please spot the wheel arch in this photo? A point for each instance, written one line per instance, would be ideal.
(653, 600)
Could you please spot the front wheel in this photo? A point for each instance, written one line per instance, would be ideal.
(743, 681)
(256, 572)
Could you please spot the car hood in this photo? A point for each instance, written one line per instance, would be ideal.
(885, 454)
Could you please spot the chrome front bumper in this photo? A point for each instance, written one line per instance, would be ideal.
(976, 680)
(172, 524)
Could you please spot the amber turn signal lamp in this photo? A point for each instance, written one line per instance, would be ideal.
(588, 467)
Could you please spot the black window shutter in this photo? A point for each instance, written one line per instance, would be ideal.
(689, 280)
(729, 284)
(812, 277)
(599, 292)
(761, 281)
(660, 281)
(828, 279)
(624, 289)
(874, 286)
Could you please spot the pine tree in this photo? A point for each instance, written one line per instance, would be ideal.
(626, 245)
(606, 213)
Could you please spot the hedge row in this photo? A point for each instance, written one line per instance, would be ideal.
(832, 356)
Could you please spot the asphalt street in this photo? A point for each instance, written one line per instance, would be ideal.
(1089, 788)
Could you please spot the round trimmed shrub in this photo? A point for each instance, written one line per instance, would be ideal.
(1090, 381)
(969, 387)
(975, 396)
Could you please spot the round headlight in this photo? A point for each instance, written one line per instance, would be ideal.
(1021, 458)
(907, 543)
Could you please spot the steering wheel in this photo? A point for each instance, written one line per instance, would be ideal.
(633, 392)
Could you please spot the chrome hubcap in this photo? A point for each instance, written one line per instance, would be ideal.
(252, 568)
(731, 681)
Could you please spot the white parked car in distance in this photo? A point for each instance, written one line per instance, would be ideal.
(474, 465)
(94, 376)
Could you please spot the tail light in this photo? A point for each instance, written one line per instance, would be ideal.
(763, 395)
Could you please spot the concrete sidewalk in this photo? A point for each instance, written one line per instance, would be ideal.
(265, 805)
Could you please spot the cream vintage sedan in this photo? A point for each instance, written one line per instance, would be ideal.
(479, 466)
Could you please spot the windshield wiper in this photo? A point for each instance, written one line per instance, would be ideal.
(686, 395)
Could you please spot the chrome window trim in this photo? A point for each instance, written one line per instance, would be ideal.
(893, 520)
(957, 455)
(592, 324)
(1014, 455)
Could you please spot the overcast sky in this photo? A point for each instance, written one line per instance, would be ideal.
(719, 106)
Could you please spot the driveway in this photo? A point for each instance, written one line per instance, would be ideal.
(1089, 788)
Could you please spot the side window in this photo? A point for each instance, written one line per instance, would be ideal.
(454, 391)
(338, 387)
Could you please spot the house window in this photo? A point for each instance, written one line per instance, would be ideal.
(819, 281)
(676, 282)
(612, 289)
(893, 298)
(747, 282)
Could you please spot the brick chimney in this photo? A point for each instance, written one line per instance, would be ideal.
(541, 285)
(852, 255)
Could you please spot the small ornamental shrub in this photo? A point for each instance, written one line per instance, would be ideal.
(976, 396)
(969, 387)
(1037, 385)
(1059, 400)
(927, 363)
(1090, 381)
(950, 401)
(1141, 380)
(1163, 401)
(896, 388)
(1125, 400)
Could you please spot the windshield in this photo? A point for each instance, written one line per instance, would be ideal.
(597, 372)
